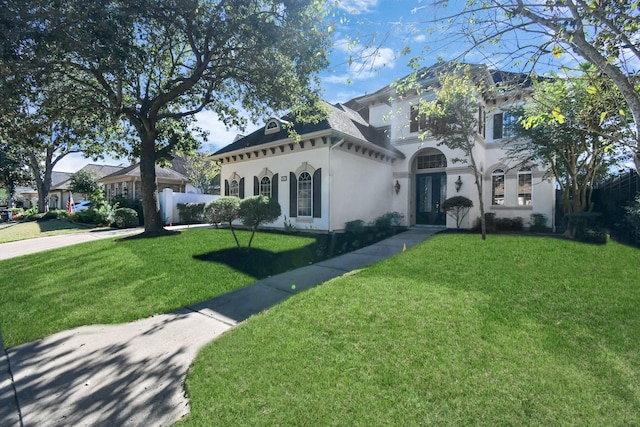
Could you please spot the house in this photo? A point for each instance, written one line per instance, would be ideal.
(367, 159)
(60, 186)
(126, 182)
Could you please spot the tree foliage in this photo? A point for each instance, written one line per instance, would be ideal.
(201, 171)
(457, 207)
(12, 170)
(526, 34)
(574, 148)
(156, 63)
(84, 182)
(452, 116)
(223, 210)
(258, 210)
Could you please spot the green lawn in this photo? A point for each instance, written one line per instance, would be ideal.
(456, 331)
(31, 229)
(111, 281)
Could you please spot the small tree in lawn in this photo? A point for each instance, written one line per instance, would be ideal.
(457, 207)
(258, 210)
(223, 210)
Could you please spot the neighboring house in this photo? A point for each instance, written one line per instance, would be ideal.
(367, 158)
(126, 182)
(60, 187)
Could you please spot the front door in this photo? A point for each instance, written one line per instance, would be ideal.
(431, 191)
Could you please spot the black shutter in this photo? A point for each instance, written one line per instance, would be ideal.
(293, 195)
(274, 187)
(241, 192)
(317, 193)
(497, 126)
(256, 186)
(226, 187)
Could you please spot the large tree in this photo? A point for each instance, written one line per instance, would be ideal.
(605, 33)
(12, 170)
(43, 125)
(156, 63)
(572, 145)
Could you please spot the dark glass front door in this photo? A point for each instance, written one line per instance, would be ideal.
(431, 191)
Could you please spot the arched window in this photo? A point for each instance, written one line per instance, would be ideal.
(234, 188)
(265, 186)
(305, 194)
(497, 187)
(524, 187)
(431, 161)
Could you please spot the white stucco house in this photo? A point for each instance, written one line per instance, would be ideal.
(367, 159)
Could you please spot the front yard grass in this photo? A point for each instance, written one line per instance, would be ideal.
(113, 281)
(32, 229)
(511, 331)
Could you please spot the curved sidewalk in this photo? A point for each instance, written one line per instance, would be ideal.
(134, 373)
(39, 244)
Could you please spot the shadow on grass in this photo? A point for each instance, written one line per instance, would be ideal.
(150, 235)
(61, 224)
(261, 263)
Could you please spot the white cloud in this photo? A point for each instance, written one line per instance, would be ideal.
(357, 7)
(362, 62)
(219, 135)
(76, 161)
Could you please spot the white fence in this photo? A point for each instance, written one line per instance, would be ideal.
(169, 203)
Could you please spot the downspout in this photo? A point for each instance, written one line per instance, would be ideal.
(340, 141)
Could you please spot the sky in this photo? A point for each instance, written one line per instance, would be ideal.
(372, 44)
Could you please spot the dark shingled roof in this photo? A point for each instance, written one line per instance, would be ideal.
(134, 170)
(339, 118)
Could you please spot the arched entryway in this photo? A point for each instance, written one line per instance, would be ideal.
(430, 186)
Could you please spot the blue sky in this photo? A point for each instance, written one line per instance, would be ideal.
(369, 38)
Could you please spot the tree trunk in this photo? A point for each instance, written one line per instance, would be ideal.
(150, 206)
(42, 180)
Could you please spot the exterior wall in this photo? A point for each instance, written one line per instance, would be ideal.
(489, 154)
(169, 203)
(361, 188)
(282, 165)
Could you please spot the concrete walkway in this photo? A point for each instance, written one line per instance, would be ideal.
(39, 244)
(133, 374)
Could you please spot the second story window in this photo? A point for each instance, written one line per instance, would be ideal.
(418, 121)
(504, 125)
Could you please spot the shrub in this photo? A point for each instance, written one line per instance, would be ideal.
(191, 213)
(538, 223)
(633, 214)
(257, 210)
(591, 235)
(223, 210)
(87, 216)
(46, 216)
(106, 214)
(383, 225)
(355, 227)
(125, 218)
(457, 207)
(509, 224)
(123, 202)
(61, 213)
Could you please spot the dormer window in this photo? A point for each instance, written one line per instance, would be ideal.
(272, 126)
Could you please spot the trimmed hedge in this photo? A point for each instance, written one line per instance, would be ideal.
(125, 218)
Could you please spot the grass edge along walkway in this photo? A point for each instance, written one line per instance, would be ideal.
(511, 331)
(115, 281)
